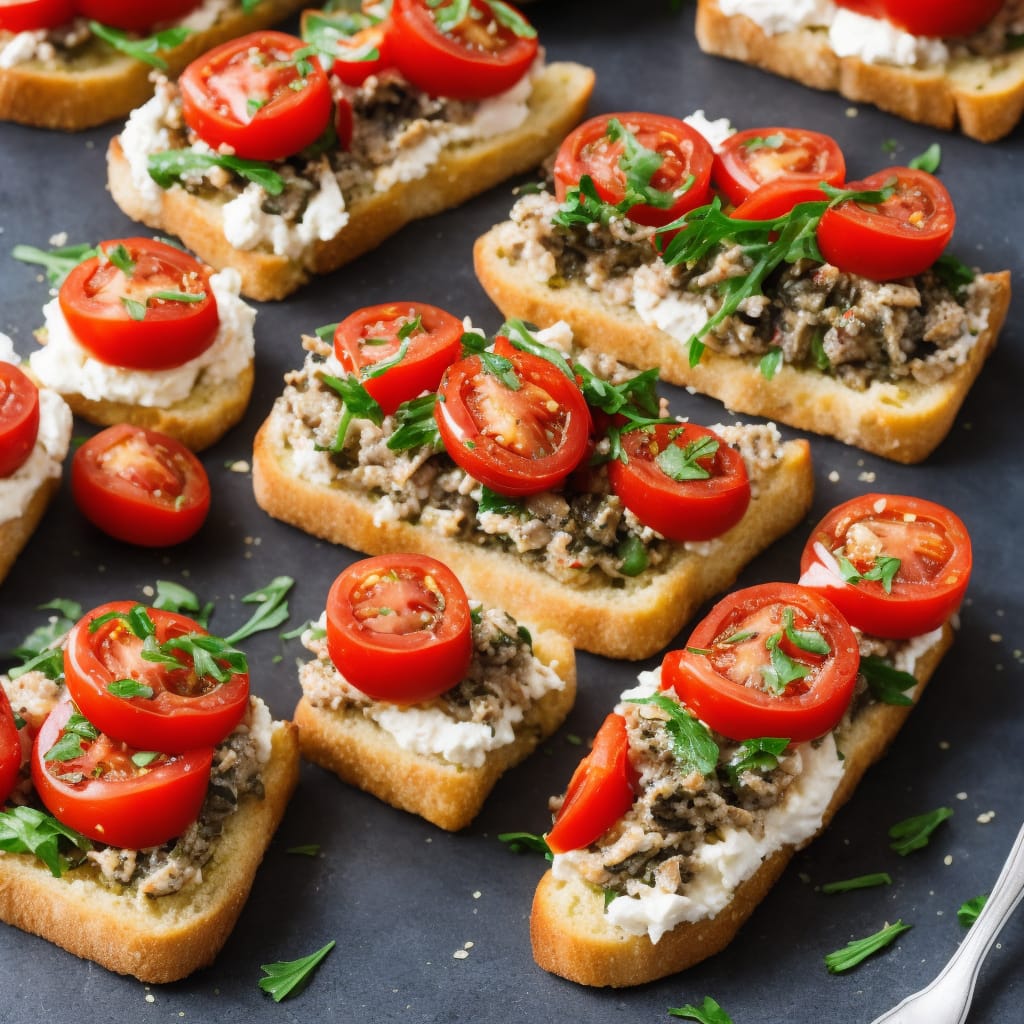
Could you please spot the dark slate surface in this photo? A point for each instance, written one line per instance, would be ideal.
(401, 897)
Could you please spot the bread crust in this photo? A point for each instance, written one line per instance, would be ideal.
(164, 939)
(450, 796)
(15, 533)
(902, 421)
(559, 99)
(632, 621)
(572, 938)
(982, 96)
(73, 99)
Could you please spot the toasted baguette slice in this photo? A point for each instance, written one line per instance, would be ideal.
(164, 939)
(572, 937)
(449, 795)
(984, 96)
(902, 421)
(104, 84)
(631, 621)
(15, 533)
(559, 99)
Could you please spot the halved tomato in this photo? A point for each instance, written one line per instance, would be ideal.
(399, 628)
(607, 157)
(10, 748)
(895, 566)
(140, 486)
(19, 418)
(141, 304)
(357, 43)
(942, 18)
(772, 660)
(777, 198)
(29, 15)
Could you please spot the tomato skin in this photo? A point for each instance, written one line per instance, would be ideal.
(133, 808)
(600, 791)
(170, 334)
(881, 242)
(355, 72)
(777, 198)
(588, 150)
(114, 477)
(807, 709)
(416, 663)
(19, 418)
(431, 351)
(10, 748)
(935, 564)
(681, 510)
(173, 720)
(218, 88)
(28, 15)
(457, 64)
(494, 433)
(741, 166)
(131, 15)
(942, 18)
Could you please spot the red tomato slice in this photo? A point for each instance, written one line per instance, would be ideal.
(901, 237)
(600, 791)
(10, 748)
(749, 159)
(106, 796)
(943, 18)
(399, 628)
(360, 45)
(370, 336)
(684, 151)
(722, 674)
(19, 418)
(28, 15)
(133, 16)
(125, 313)
(694, 507)
(934, 553)
(258, 95)
(482, 55)
(186, 710)
(776, 199)
(140, 486)
(519, 433)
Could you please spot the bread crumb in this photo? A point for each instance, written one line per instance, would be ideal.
(834, 476)
(238, 466)
(985, 817)
(866, 477)
(477, 894)
(150, 998)
(996, 638)
(59, 239)
(469, 945)
(460, 954)
(948, 859)
(943, 744)
(852, 111)
(148, 590)
(961, 796)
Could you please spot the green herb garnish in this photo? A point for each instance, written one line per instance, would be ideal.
(27, 830)
(272, 611)
(692, 745)
(756, 755)
(968, 911)
(147, 49)
(914, 833)
(860, 949)
(885, 681)
(290, 977)
(709, 1012)
(358, 403)
(128, 688)
(883, 570)
(167, 167)
(929, 160)
(525, 842)
(860, 882)
(57, 263)
(684, 463)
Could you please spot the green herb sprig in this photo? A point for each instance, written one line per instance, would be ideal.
(968, 911)
(56, 263)
(289, 977)
(860, 882)
(916, 832)
(272, 611)
(28, 830)
(858, 950)
(526, 842)
(709, 1012)
(171, 165)
(692, 745)
(886, 682)
(146, 49)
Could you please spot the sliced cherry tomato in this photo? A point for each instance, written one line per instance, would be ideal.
(895, 566)
(512, 420)
(684, 152)
(900, 237)
(106, 795)
(368, 342)
(19, 418)
(142, 304)
(682, 480)
(359, 44)
(399, 628)
(482, 54)
(600, 791)
(10, 748)
(140, 486)
(186, 709)
(943, 18)
(773, 660)
(133, 16)
(776, 199)
(749, 159)
(258, 95)
(29, 15)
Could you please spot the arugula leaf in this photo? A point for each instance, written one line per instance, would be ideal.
(57, 263)
(146, 49)
(914, 833)
(129, 688)
(27, 830)
(415, 425)
(709, 1012)
(582, 205)
(272, 610)
(953, 273)
(882, 571)
(207, 654)
(77, 729)
(136, 309)
(119, 257)
(860, 949)
(968, 911)
(173, 597)
(809, 640)
(358, 402)
(684, 463)
(929, 160)
(860, 882)
(526, 842)
(290, 977)
(325, 31)
(770, 362)
(167, 167)
(692, 745)
(756, 755)
(885, 681)
(491, 501)
(639, 164)
(41, 640)
(448, 16)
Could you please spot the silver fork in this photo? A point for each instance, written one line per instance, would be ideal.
(947, 999)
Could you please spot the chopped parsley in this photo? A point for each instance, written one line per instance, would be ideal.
(914, 833)
(27, 830)
(692, 745)
(968, 911)
(885, 681)
(146, 49)
(290, 977)
(860, 882)
(526, 842)
(859, 950)
(709, 1012)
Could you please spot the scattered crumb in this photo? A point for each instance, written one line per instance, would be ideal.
(943, 744)
(90, 144)
(852, 111)
(148, 590)
(477, 894)
(834, 476)
(238, 466)
(948, 859)
(59, 239)
(867, 477)
(985, 817)
(469, 945)
(804, 877)
(996, 638)
(961, 796)
(460, 954)
(150, 998)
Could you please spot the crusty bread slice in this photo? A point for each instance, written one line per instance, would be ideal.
(107, 84)
(14, 533)
(984, 96)
(559, 99)
(449, 795)
(164, 939)
(902, 421)
(572, 937)
(629, 621)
